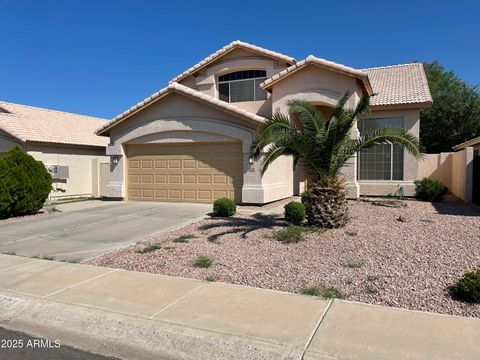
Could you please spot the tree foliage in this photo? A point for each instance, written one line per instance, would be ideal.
(24, 184)
(455, 114)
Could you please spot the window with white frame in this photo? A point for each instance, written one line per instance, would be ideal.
(382, 161)
(242, 86)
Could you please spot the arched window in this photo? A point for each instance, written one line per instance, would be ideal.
(242, 86)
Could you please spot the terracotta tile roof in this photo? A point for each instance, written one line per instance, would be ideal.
(312, 60)
(228, 48)
(182, 89)
(28, 123)
(399, 84)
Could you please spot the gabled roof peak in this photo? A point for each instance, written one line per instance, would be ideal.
(330, 65)
(182, 89)
(226, 49)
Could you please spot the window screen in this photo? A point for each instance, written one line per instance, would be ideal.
(242, 86)
(383, 161)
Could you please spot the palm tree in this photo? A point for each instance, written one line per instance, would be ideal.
(323, 145)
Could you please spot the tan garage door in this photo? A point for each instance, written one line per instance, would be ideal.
(187, 173)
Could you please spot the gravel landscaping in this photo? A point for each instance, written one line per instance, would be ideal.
(404, 256)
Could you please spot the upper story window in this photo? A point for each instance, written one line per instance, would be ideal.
(242, 86)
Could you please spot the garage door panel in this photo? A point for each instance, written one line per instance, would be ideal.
(191, 173)
(189, 179)
(190, 194)
(175, 164)
(147, 179)
(147, 193)
(161, 194)
(160, 179)
(134, 179)
(174, 179)
(161, 164)
(175, 194)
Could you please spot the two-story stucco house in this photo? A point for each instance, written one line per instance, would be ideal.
(191, 140)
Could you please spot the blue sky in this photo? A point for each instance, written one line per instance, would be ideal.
(101, 57)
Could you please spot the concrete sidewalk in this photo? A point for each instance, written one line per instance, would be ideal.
(133, 315)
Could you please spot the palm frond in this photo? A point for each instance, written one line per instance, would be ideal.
(310, 116)
(391, 135)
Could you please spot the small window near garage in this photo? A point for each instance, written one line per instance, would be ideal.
(382, 161)
(242, 86)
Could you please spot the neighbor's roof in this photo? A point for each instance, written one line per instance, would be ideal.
(466, 144)
(226, 49)
(182, 89)
(399, 84)
(312, 60)
(28, 123)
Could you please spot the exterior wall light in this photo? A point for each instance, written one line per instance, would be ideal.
(115, 159)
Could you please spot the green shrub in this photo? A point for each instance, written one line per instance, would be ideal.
(149, 248)
(203, 261)
(468, 287)
(24, 184)
(184, 238)
(292, 234)
(294, 213)
(430, 190)
(304, 197)
(326, 292)
(224, 207)
(312, 291)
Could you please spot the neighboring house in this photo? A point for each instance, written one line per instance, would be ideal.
(474, 143)
(474, 172)
(66, 143)
(191, 140)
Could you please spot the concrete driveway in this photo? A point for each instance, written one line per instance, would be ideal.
(87, 229)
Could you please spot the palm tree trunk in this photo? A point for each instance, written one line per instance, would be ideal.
(327, 207)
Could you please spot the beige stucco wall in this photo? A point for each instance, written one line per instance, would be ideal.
(7, 142)
(83, 180)
(462, 174)
(436, 166)
(410, 165)
(453, 169)
(314, 84)
(320, 87)
(179, 118)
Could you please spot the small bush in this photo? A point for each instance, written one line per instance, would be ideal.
(149, 248)
(224, 207)
(326, 292)
(371, 290)
(312, 291)
(468, 287)
(292, 234)
(354, 264)
(184, 238)
(304, 197)
(24, 184)
(203, 261)
(430, 190)
(294, 213)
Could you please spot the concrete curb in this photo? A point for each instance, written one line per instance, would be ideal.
(129, 337)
